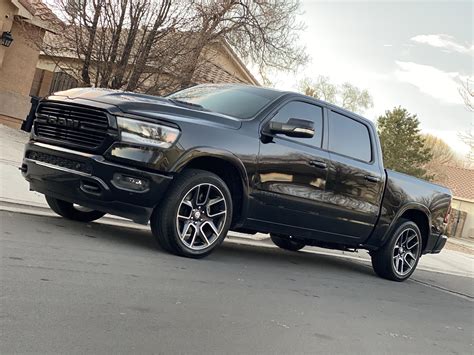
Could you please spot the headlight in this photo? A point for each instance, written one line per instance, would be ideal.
(145, 133)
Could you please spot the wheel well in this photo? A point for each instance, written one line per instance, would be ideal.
(227, 172)
(421, 220)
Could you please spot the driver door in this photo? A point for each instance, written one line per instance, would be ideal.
(292, 173)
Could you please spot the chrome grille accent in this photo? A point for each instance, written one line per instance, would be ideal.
(71, 124)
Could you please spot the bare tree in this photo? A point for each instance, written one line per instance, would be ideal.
(355, 99)
(468, 139)
(346, 95)
(321, 89)
(120, 44)
(467, 93)
(441, 156)
(158, 45)
(261, 32)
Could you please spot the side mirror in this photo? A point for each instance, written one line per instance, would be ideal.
(295, 127)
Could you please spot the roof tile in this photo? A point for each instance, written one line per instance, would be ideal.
(39, 9)
(460, 181)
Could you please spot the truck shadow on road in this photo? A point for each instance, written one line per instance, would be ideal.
(237, 252)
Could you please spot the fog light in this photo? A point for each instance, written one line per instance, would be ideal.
(132, 183)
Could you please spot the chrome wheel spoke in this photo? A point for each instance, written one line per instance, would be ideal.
(216, 214)
(410, 254)
(214, 201)
(202, 234)
(188, 203)
(185, 217)
(202, 194)
(406, 251)
(413, 236)
(185, 230)
(404, 260)
(397, 263)
(193, 239)
(212, 226)
(201, 216)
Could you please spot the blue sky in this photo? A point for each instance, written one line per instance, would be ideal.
(407, 53)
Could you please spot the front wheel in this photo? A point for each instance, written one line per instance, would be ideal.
(286, 243)
(195, 216)
(398, 258)
(71, 211)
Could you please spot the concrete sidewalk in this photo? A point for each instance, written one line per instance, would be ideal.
(13, 187)
(456, 258)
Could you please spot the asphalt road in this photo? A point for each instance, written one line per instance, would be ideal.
(68, 287)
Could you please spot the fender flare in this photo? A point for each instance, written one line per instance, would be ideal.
(382, 239)
(203, 152)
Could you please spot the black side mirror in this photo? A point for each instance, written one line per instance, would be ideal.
(295, 127)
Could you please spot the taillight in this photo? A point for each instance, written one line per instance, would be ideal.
(446, 218)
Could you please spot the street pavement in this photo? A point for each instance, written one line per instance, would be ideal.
(68, 287)
(15, 196)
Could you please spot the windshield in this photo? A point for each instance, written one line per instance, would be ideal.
(233, 100)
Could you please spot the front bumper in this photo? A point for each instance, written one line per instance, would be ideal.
(88, 180)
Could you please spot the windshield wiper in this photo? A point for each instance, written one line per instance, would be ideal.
(187, 103)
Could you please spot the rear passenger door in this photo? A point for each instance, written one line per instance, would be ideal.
(355, 180)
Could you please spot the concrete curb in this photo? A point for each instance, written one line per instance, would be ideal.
(27, 207)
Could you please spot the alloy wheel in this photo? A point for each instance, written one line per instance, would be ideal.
(406, 251)
(201, 216)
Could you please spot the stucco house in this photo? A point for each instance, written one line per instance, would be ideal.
(461, 182)
(25, 21)
(26, 71)
(220, 65)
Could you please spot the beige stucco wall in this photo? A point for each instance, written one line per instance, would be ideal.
(17, 66)
(6, 20)
(468, 207)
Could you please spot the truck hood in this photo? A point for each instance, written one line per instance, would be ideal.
(149, 106)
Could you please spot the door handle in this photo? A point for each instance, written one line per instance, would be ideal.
(372, 178)
(318, 164)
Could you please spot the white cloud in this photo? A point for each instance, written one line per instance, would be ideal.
(444, 41)
(430, 81)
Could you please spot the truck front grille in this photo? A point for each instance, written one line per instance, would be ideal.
(71, 125)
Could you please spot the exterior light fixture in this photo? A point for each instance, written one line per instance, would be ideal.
(6, 39)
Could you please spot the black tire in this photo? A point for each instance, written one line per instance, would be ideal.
(285, 243)
(69, 211)
(389, 260)
(165, 221)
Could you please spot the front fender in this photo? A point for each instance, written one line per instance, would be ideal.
(199, 152)
(222, 154)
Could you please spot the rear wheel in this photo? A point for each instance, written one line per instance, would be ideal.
(286, 243)
(195, 216)
(72, 211)
(398, 258)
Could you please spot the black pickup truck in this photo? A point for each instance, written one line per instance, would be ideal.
(217, 157)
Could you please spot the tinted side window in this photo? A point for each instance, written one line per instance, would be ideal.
(305, 111)
(349, 137)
